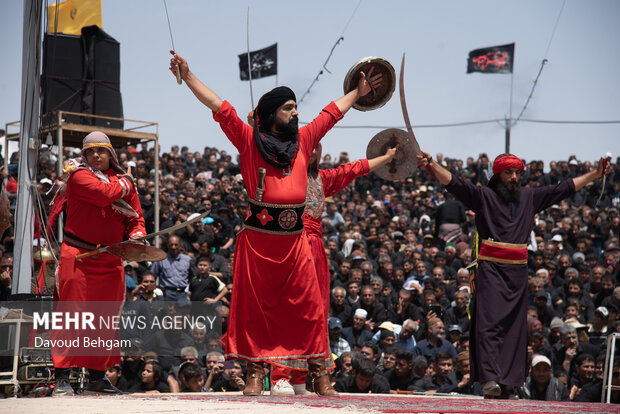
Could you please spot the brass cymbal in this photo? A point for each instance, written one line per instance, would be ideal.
(376, 98)
(404, 163)
(135, 252)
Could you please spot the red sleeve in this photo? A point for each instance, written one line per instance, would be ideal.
(237, 131)
(134, 226)
(335, 179)
(84, 186)
(311, 134)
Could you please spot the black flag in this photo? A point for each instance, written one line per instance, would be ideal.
(496, 59)
(263, 62)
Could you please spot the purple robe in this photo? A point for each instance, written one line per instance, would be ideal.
(498, 333)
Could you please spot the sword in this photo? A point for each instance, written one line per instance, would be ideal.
(148, 236)
(403, 105)
(172, 41)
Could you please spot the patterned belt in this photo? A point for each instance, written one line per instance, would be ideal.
(274, 218)
(507, 253)
(74, 241)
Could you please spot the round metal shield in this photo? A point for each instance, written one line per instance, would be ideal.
(135, 252)
(379, 97)
(404, 163)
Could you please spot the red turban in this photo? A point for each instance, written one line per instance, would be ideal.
(504, 162)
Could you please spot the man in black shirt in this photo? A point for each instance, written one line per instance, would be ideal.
(363, 379)
(444, 380)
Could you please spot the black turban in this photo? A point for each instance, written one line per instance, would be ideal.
(268, 103)
(276, 148)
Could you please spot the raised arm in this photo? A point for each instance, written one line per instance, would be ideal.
(604, 168)
(382, 160)
(426, 161)
(363, 88)
(203, 93)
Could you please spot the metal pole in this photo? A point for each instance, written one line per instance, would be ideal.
(61, 152)
(507, 136)
(249, 64)
(156, 167)
(28, 146)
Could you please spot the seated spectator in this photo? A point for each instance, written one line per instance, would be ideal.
(357, 334)
(337, 344)
(206, 287)
(191, 378)
(388, 360)
(115, 376)
(593, 391)
(435, 341)
(232, 379)
(584, 374)
(541, 384)
(344, 367)
(153, 381)
(566, 351)
(406, 339)
(402, 376)
(371, 351)
(215, 368)
(463, 375)
(444, 380)
(363, 379)
(597, 332)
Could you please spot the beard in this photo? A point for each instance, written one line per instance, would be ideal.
(508, 194)
(290, 129)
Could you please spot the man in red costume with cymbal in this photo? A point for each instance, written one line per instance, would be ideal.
(504, 219)
(102, 208)
(276, 309)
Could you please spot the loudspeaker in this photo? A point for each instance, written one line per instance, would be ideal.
(62, 80)
(82, 74)
(102, 94)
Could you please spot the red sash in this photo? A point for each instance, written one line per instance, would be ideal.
(508, 253)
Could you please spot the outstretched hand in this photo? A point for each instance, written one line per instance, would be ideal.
(178, 63)
(391, 153)
(604, 166)
(424, 160)
(364, 85)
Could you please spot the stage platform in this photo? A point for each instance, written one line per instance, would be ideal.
(238, 403)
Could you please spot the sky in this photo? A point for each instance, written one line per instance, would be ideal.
(580, 82)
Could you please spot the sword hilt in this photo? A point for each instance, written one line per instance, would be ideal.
(260, 189)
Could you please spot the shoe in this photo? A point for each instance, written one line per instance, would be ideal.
(282, 387)
(300, 389)
(63, 388)
(317, 380)
(255, 381)
(491, 389)
(102, 387)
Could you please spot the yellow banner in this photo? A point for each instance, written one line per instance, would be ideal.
(73, 15)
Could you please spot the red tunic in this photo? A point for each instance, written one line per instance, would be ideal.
(276, 309)
(91, 218)
(328, 183)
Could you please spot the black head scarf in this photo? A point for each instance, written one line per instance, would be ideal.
(278, 149)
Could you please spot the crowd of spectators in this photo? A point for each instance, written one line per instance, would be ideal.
(399, 287)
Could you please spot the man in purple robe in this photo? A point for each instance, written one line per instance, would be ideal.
(504, 219)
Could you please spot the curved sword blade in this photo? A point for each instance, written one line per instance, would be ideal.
(403, 105)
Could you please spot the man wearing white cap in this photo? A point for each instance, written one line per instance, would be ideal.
(541, 384)
(357, 334)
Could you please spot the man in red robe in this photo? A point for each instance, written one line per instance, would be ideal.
(276, 309)
(504, 219)
(102, 208)
(321, 184)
